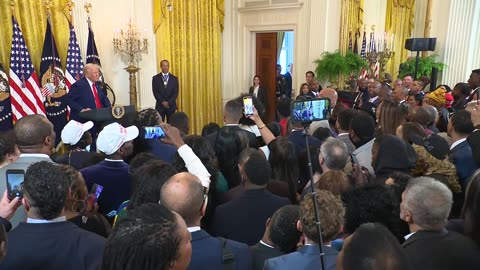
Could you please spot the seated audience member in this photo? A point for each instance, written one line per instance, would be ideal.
(372, 246)
(148, 181)
(438, 99)
(297, 137)
(459, 128)
(47, 240)
(390, 115)
(76, 136)
(281, 236)
(140, 160)
(183, 194)
(210, 128)
(391, 154)
(432, 152)
(322, 133)
(384, 93)
(232, 113)
(252, 208)
(151, 237)
(35, 140)
(8, 148)
(334, 181)
(460, 93)
(308, 256)
(285, 174)
(426, 116)
(425, 207)
(112, 173)
(361, 133)
(76, 208)
(343, 125)
(373, 203)
(399, 94)
(414, 100)
(373, 90)
(416, 87)
(181, 122)
(333, 155)
(434, 115)
(474, 138)
(163, 151)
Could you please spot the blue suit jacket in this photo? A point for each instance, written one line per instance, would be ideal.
(207, 253)
(244, 219)
(306, 258)
(81, 97)
(461, 156)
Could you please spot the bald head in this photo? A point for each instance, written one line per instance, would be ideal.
(183, 193)
(32, 132)
(331, 94)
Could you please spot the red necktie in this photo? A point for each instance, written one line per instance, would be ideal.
(95, 94)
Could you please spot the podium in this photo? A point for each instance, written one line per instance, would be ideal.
(108, 115)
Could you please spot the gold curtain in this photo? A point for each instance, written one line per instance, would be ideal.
(352, 20)
(399, 21)
(32, 18)
(189, 37)
(280, 38)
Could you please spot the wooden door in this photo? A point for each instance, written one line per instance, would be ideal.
(266, 63)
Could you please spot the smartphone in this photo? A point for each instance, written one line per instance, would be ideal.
(308, 110)
(248, 106)
(93, 195)
(153, 133)
(15, 183)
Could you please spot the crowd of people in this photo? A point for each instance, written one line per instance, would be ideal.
(392, 179)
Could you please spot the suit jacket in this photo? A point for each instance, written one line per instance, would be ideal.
(81, 97)
(474, 142)
(116, 182)
(288, 78)
(298, 140)
(260, 253)
(207, 253)
(441, 250)
(306, 258)
(461, 157)
(346, 139)
(163, 92)
(261, 95)
(22, 163)
(251, 211)
(59, 245)
(252, 139)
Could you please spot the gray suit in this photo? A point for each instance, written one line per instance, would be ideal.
(22, 163)
(344, 138)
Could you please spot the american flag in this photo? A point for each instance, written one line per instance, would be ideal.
(74, 68)
(363, 54)
(92, 52)
(373, 49)
(25, 92)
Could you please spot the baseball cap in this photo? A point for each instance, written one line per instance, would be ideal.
(436, 145)
(113, 136)
(73, 131)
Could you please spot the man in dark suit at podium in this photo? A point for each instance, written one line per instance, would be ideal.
(86, 94)
(165, 90)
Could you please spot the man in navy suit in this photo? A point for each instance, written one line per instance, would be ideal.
(308, 257)
(86, 94)
(165, 91)
(184, 194)
(288, 78)
(459, 128)
(243, 219)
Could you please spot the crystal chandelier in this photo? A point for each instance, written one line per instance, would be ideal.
(128, 42)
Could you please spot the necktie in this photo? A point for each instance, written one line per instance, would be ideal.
(95, 95)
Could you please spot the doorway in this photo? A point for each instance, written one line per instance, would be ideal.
(272, 49)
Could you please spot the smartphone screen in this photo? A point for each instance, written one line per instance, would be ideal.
(93, 195)
(15, 183)
(153, 133)
(248, 106)
(308, 110)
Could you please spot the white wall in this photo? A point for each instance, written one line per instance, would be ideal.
(107, 15)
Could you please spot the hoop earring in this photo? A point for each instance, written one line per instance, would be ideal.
(82, 204)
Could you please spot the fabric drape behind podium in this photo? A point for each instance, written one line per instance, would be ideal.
(32, 18)
(189, 37)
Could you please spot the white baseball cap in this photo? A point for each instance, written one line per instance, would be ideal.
(113, 136)
(73, 131)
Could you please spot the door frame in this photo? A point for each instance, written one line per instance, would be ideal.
(251, 31)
